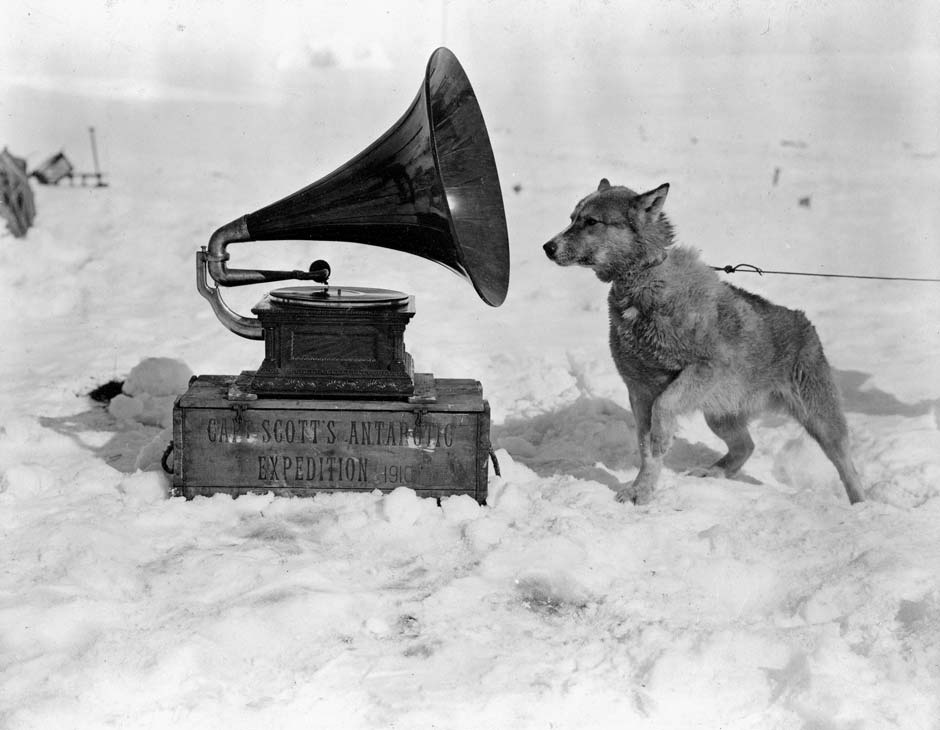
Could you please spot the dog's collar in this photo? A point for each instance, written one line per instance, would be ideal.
(660, 260)
(629, 276)
(651, 264)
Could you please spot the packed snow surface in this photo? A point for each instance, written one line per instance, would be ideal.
(764, 602)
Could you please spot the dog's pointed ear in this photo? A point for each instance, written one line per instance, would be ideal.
(603, 185)
(650, 205)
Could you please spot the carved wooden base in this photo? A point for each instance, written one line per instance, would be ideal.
(315, 352)
(294, 383)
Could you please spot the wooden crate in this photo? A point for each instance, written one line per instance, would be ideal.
(301, 447)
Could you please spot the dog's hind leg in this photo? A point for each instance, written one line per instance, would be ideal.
(732, 429)
(833, 437)
(819, 412)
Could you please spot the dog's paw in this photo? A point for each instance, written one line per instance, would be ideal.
(636, 494)
(624, 494)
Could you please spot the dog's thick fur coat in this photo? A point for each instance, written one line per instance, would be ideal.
(684, 340)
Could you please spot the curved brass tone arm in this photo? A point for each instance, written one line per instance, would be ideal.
(247, 327)
(237, 231)
(212, 260)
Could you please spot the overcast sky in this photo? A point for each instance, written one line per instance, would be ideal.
(242, 44)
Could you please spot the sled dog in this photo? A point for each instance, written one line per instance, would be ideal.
(683, 340)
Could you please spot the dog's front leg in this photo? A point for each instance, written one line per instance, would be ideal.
(641, 490)
(656, 425)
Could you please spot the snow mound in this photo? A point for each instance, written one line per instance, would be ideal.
(460, 508)
(158, 376)
(150, 390)
(402, 507)
(23, 482)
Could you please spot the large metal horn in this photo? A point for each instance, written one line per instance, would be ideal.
(428, 187)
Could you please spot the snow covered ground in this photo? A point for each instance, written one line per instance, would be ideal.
(763, 602)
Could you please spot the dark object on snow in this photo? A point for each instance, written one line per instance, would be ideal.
(16, 197)
(54, 169)
(58, 167)
(104, 393)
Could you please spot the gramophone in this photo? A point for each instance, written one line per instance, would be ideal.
(336, 404)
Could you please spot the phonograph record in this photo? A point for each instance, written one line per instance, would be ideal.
(336, 404)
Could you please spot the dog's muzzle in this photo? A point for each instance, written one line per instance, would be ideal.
(550, 248)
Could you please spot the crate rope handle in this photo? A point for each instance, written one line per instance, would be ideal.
(166, 456)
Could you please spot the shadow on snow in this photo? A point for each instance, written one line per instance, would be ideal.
(591, 436)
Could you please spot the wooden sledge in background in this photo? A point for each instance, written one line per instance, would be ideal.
(59, 167)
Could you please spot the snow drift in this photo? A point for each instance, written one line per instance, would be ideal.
(762, 602)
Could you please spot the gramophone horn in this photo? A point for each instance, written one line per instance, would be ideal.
(428, 187)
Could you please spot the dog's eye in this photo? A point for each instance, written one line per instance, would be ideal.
(591, 221)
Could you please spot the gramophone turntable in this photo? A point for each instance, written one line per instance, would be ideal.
(336, 403)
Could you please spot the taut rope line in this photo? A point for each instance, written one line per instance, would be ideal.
(751, 269)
